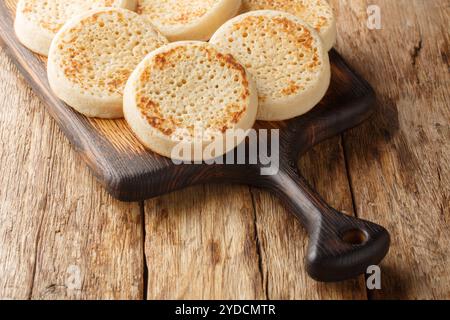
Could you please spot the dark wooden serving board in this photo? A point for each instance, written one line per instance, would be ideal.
(340, 246)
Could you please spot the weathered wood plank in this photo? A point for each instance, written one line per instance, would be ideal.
(200, 244)
(400, 161)
(56, 221)
(18, 231)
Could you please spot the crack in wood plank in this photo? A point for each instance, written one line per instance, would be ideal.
(144, 256)
(416, 51)
(264, 278)
(42, 207)
(369, 295)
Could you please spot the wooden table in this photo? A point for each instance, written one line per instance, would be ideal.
(62, 236)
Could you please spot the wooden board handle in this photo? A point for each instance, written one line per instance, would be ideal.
(340, 247)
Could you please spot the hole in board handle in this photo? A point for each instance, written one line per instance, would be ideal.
(354, 237)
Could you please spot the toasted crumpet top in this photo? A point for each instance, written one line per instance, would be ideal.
(99, 50)
(175, 12)
(192, 85)
(283, 54)
(51, 15)
(317, 13)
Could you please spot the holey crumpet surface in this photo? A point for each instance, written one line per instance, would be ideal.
(37, 21)
(317, 13)
(188, 19)
(340, 246)
(187, 96)
(93, 55)
(284, 55)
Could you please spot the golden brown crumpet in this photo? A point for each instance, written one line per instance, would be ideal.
(189, 94)
(93, 55)
(188, 19)
(317, 13)
(38, 21)
(284, 55)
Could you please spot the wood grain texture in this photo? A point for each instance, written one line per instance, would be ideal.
(56, 221)
(201, 244)
(399, 162)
